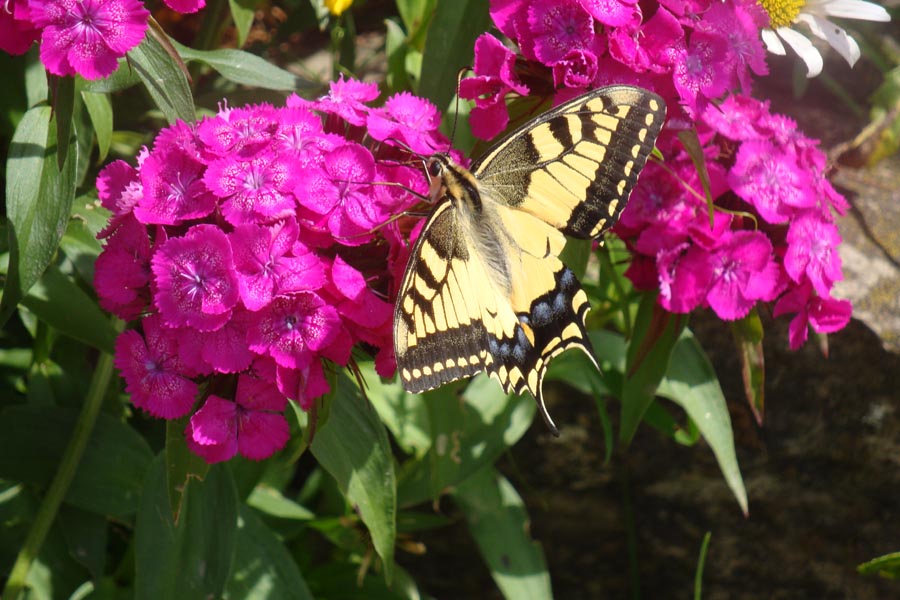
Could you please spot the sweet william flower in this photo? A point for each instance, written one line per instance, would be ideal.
(154, 374)
(823, 313)
(196, 283)
(87, 37)
(785, 15)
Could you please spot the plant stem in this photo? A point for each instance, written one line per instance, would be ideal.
(68, 466)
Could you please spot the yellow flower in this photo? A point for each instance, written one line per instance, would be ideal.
(338, 6)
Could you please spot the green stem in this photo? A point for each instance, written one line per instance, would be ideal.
(606, 265)
(68, 465)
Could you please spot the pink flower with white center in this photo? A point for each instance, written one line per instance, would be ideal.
(196, 284)
(812, 252)
(292, 329)
(255, 190)
(87, 37)
(824, 313)
(242, 131)
(346, 99)
(556, 28)
(154, 374)
(172, 181)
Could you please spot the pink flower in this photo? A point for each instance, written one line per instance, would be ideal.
(242, 131)
(185, 6)
(221, 351)
(698, 69)
(254, 190)
(347, 99)
(196, 284)
(252, 425)
(122, 270)
(824, 313)
(154, 374)
(614, 12)
(291, 329)
(304, 384)
(17, 31)
(812, 252)
(494, 78)
(87, 37)
(340, 194)
(410, 119)
(742, 273)
(270, 261)
(557, 27)
(771, 180)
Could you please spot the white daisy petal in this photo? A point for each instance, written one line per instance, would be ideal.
(804, 49)
(854, 9)
(836, 37)
(773, 44)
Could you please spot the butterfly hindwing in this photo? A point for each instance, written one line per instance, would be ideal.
(485, 289)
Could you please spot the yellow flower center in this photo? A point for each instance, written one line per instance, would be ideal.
(782, 12)
(336, 7)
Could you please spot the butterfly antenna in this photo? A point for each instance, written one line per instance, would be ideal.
(459, 77)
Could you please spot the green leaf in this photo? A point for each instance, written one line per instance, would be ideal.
(748, 335)
(353, 447)
(63, 111)
(470, 431)
(60, 303)
(109, 477)
(242, 12)
(86, 537)
(100, 110)
(80, 243)
(38, 202)
(123, 77)
(271, 502)
(182, 465)
(701, 563)
(164, 79)
(263, 568)
(245, 68)
(406, 415)
(887, 566)
(655, 334)
(450, 46)
(190, 558)
(691, 383)
(498, 521)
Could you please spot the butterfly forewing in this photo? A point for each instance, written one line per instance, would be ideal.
(484, 289)
(575, 165)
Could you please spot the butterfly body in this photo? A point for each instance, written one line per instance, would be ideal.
(485, 289)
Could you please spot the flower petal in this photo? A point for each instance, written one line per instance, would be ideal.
(836, 37)
(804, 49)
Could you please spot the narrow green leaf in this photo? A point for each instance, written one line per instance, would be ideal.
(353, 447)
(190, 558)
(655, 334)
(691, 143)
(887, 566)
(449, 47)
(263, 568)
(498, 521)
(469, 430)
(405, 415)
(273, 503)
(691, 383)
(100, 110)
(748, 335)
(182, 465)
(38, 202)
(60, 303)
(165, 81)
(701, 563)
(63, 111)
(245, 68)
(242, 12)
(109, 477)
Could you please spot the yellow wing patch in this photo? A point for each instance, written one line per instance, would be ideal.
(484, 289)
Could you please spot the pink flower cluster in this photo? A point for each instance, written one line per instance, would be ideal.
(772, 237)
(79, 37)
(246, 245)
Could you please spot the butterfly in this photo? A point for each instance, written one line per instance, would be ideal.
(484, 288)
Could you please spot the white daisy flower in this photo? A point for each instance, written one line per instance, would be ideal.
(783, 14)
